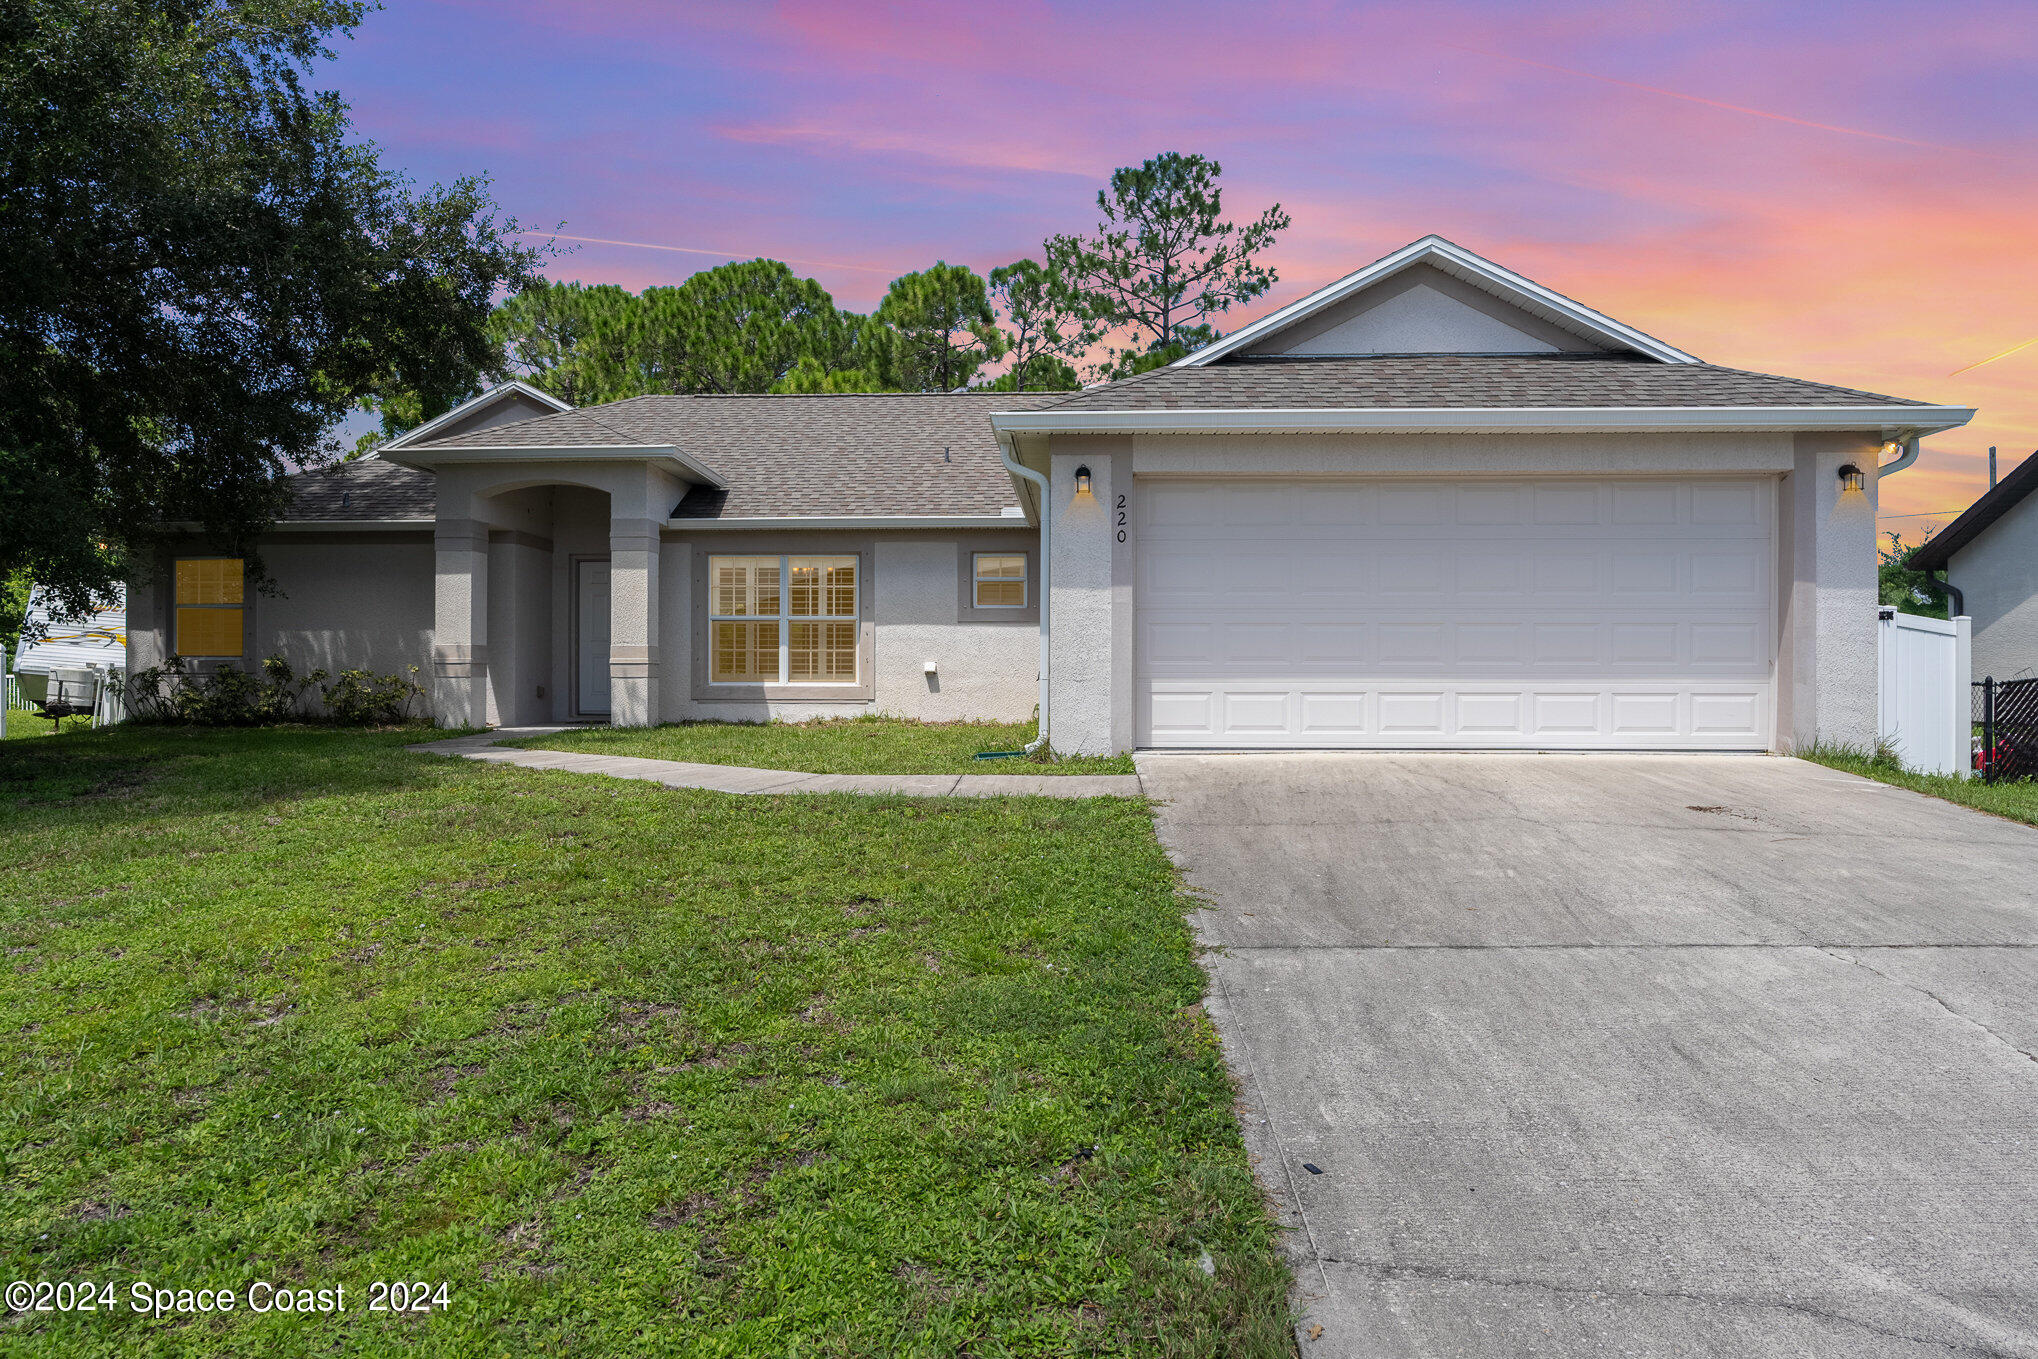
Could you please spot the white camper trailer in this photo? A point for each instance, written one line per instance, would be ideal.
(96, 642)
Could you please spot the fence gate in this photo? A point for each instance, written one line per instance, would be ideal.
(1925, 670)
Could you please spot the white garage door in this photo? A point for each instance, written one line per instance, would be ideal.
(1546, 614)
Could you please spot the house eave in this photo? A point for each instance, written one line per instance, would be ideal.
(1891, 421)
(320, 526)
(431, 459)
(850, 521)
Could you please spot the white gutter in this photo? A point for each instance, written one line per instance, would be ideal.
(433, 457)
(1013, 465)
(1904, 459)
(1912, 420)
(853, 521)
(319, 526)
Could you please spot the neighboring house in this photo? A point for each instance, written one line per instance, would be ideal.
(1990, 555)
(1433, 504)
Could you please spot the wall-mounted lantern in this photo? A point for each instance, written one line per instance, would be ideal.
(1083, 480)
(1850, 478)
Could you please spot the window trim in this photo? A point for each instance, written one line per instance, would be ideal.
(977, 578)
(700, 591)
(177, 607)
(1007, 544)
(785, 619)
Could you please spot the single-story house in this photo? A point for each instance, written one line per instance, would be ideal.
(1990, 556)
(1433, 504)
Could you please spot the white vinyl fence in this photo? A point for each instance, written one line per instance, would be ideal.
(1926, 665)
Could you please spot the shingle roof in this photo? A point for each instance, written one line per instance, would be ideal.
(367, 488)
(917, 454)
(1937, 551)
(1460, 381)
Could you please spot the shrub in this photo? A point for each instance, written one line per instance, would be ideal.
(231, 697)
(360, 698)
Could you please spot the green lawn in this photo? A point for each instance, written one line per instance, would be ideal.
(630, 1070)
(2018, 801)
(25, 722)
(857, 745)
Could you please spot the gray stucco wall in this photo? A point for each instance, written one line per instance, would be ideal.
(1998, 574)
(1829, 596)
(985, 671)
(343, 601)
(365, 602)
(362, 599)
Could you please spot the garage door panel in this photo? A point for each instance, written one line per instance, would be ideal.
(1490, 715)
(1610, 614)
(1645, 573)
(1332, 712)
(1567, 504)
(1483, 506)
(1646, 504)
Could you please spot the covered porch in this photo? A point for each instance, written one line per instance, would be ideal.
(546, 582)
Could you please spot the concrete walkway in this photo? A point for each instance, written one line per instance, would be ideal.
(736, 778)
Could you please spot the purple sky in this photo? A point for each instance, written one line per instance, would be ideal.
(1846, 192)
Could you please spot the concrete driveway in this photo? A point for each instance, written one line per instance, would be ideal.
(1626, 1055)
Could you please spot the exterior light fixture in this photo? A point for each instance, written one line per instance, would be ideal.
(1083, 480)
(1850, 478)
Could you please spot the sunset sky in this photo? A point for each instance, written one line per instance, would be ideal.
(1846, 192)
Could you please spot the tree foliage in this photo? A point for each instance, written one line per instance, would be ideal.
(739, 328)
(937, 329)
(1907, 588)
(1164, 261)
(201, 271)
(1046, 328)
(569, 339)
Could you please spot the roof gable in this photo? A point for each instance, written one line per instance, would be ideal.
(1432, 296)
(1936, 553)
(501, 405)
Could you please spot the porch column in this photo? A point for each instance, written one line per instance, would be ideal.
(633, 622)
(460, 624)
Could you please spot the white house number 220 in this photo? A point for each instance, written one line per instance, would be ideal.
(1120, 510)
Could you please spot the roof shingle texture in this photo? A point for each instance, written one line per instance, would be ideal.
(367, 488)
(912, 454)
(1463, 381)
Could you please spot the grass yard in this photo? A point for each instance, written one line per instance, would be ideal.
(629, 1070)
(855, 745)
(2018, 801)
(26, 722)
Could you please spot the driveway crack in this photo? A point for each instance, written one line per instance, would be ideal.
(1932, 996)
(1391, 1272)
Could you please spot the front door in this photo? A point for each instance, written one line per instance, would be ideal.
(591, 638)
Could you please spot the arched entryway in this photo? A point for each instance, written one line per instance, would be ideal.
(546, 593)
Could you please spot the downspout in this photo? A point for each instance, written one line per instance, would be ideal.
(1909, 455)
(1013, 466)
(1904, 459)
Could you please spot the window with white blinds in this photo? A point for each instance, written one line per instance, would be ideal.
(782, 620)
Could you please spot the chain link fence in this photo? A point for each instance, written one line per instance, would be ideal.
(2005, 729)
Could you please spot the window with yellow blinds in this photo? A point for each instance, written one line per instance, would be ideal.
(209, 602)
(782, 620)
